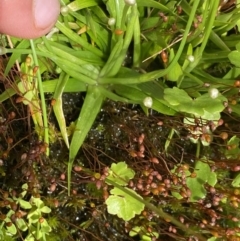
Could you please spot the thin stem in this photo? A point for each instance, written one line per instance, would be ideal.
(11, 46)
(210, 22)
(43, 103)
(184, 39)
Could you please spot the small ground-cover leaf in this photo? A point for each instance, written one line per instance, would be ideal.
(186, 173)
(143, 233)
(120, 173)
(203, 175)
(45, 209)
(189, 123)
(12, 229)
(45, 227)
(180, 99)
(233, 151)
(124, 205)
(176, 96)
(24, 204)
(234, 58)
(21, 224)
(236, 181)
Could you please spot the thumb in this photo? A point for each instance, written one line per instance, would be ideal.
(28, 18)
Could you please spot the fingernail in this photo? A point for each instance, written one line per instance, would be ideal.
(45, 13)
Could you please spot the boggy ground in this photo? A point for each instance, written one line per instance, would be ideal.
(120, 133)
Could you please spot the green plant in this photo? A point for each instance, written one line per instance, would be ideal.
(171, 57)
(144, 234)
(29, 91)
(77, 68)
(196, 181)
(119, 202)
(126, 203)
(25, 216)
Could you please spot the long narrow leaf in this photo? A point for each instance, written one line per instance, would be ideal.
(58, 108)
(73, 36)
(89, 111)
(73, 85)
(77, 5)
(23, 44)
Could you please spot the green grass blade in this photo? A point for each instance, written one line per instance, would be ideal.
(210, 21)
(155, 4)
(76, 38)
(112, 96)
(84, 56)
(115, 9)
(77, 5)
(137, 44)
(114, 64)
(70, 70)
(73, 85)
(58, 108)
(42, 97)
(15, 55)
(218, 41)
(91, 107)
(73, 66)
(7, 94)
(112, 58)
(158, 73)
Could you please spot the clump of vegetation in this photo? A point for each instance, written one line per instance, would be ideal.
(128, 117)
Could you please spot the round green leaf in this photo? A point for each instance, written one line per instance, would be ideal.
(203, 175)
(236, 181)
(124, 205)
(12, 229)
(45, 227)
(24, 204)
(120, 173)
(45, 209)
(180, 99)
(21, 224)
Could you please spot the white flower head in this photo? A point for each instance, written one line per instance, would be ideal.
(111, 21)
(130, 2)
(191, 58)
(148, 102)
(213, 92)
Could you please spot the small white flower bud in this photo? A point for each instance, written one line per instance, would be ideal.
(130, 2)
(213, 92)
(191, 58)
(64, 10)
(111, 21)
(148, 102)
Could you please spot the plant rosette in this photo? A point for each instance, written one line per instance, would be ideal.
(122, 201)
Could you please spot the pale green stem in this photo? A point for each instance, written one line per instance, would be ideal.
(42, 97)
